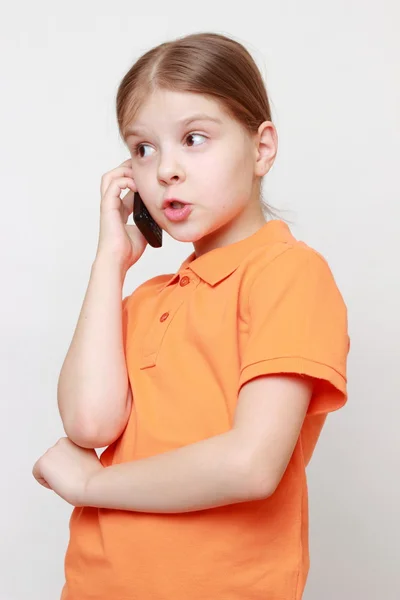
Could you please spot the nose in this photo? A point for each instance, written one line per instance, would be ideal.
(169, 170)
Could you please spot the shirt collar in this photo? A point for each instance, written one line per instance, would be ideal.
(215, 265)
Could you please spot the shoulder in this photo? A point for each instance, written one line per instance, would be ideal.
(297, 252)
(293, 275)
(280, 262)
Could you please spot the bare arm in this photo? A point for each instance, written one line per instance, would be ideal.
(212, 472)
(92, 390)
(245, 463)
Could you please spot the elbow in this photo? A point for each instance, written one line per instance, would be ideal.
(81, 436)
(98, 432)
(86, 435)
(260, 485)
(250, 485)
(265, 487)
(94, 427)
(261, 489)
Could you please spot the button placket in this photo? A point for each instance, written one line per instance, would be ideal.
(156, 334)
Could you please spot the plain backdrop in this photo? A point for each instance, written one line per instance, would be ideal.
(332, 72)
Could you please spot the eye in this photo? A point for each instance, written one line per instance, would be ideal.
(191, 135)
(138, 148)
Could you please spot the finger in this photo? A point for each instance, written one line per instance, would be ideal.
(44, 483)
(38, 475)
(121, 169)
(127, 205)
(108, 177)
(36, 470)
(112, 197)
(111, 176)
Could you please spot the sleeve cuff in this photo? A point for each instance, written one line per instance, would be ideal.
(330, 392)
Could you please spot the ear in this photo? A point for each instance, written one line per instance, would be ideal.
(266, 147)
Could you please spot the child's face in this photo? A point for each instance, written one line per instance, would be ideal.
(213, 166)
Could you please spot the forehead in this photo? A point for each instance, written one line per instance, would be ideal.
(166, 109)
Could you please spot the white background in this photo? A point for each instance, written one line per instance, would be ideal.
(332, 72)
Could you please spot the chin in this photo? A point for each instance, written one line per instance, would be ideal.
(185, 236)
(184, 232)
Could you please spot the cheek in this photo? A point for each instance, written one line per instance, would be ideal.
(146, 182)
(216, 171)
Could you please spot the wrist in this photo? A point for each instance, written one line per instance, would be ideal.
(108, 261)
(92, 489)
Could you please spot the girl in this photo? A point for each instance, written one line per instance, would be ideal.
(209, 386)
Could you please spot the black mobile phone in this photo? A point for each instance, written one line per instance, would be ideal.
(145, 222)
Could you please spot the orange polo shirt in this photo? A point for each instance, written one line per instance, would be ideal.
(266, 304)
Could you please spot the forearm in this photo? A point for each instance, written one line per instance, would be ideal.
(93, 382)
(209, 473)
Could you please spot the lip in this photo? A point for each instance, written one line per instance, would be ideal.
(178, 214)
(168, 201)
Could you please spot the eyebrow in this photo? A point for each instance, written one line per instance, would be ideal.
(184, 122)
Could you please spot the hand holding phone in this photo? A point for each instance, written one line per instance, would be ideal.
(122, 241)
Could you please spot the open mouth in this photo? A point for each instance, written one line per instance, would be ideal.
(177, 211)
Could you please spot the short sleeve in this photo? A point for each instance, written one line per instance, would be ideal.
(297, 324)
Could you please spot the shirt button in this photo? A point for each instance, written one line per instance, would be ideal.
(184, 281)
(164, 316)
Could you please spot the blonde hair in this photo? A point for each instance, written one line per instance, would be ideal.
(210, 64)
